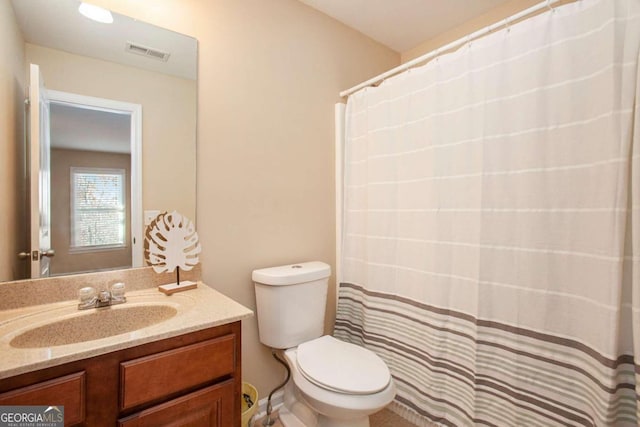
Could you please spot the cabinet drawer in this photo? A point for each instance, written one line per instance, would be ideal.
(209, 407)
(67, 391)
(153, 377)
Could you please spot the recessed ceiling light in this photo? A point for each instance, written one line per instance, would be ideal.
(96, 13)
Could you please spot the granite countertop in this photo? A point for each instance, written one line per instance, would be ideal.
(191, 311)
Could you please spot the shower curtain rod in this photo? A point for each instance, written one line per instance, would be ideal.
(452, 45)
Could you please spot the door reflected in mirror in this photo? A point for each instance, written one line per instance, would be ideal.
(97, 202)
(93, 200)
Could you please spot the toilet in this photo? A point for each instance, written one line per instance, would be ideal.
(333, 383)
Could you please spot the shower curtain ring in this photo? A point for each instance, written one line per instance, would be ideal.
(507, 25)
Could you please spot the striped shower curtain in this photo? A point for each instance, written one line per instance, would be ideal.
(491, 243)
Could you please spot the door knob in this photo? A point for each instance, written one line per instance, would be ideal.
(48, 253)
(36, 255)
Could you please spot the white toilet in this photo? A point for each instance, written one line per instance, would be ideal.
(334, 383)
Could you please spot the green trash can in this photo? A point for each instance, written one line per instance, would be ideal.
(249, 403)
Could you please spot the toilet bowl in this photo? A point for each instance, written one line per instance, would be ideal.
(334, 383)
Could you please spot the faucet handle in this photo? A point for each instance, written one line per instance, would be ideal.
(117, 292)
(86, 294)
(87, 297)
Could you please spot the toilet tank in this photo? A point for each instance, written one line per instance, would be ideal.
(290, 303)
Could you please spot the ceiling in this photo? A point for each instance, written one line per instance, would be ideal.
(57, 24)
(77, 128)
(403, 24)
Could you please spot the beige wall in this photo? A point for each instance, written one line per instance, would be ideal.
(12, 188)
(495, 15)
(168, 118)
(269, 75)
(67, 261)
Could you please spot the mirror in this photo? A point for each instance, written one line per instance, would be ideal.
(91, 69)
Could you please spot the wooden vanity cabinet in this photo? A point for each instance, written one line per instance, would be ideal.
(67, 391)
(188, 380)
(210, 406)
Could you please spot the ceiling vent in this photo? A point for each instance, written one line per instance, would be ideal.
(149, 52)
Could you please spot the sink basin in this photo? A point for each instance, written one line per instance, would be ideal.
(94, 324)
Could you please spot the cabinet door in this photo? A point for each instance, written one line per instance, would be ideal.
(208, 407)
(153, 377)
(68, 391)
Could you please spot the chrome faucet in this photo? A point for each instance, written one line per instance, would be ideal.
(90, 299)
(104, 299)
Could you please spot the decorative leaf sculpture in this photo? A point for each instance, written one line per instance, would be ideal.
(171, 242)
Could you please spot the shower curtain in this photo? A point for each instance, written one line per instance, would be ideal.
(491, 225)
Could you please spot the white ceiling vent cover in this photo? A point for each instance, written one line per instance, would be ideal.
(149, 52)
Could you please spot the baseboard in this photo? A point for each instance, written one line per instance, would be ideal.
(276, 401)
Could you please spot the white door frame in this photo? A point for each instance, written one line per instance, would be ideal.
(39, 183)
(135, 111)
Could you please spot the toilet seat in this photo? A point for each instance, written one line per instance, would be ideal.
(342, 367)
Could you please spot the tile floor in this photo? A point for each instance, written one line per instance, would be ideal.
(384, 418)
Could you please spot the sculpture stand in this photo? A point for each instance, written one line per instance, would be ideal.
(172, 288)
(171, 243)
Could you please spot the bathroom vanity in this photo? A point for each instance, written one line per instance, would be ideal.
(185, 368)
(191, 378)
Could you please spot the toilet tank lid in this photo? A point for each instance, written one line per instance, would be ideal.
(292, 273)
